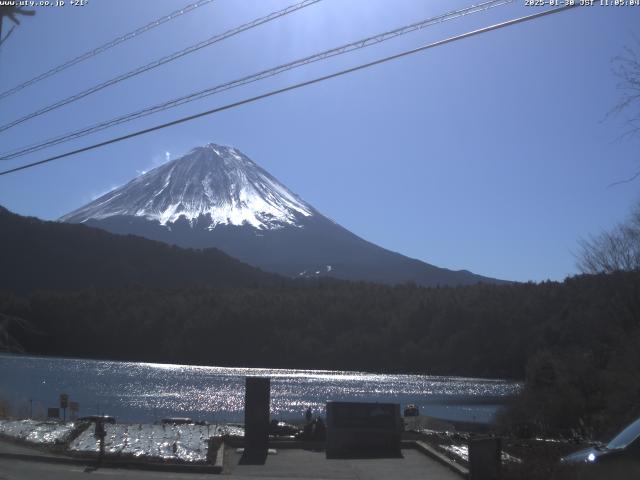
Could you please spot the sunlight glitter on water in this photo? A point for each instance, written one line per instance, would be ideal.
(149, 391)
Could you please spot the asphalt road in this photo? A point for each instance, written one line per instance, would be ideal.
(27, 470)
(286, 463)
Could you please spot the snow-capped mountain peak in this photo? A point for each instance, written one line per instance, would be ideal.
(216, 197)
(216, 182)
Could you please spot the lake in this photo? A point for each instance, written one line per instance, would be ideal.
(146, 392)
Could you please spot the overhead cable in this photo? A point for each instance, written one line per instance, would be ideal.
(362, 43)
(293, 87)
(156, 63)
(105, 47)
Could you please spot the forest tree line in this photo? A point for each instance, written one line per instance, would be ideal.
(576, 342)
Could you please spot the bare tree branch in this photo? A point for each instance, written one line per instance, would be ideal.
(12, 12)
(626, 67)
(612, 251)
(628, 180)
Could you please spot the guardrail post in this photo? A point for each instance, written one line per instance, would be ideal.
(485, 458)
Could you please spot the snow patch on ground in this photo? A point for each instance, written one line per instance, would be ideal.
(37, 432)
(462, 451)
(185, 443)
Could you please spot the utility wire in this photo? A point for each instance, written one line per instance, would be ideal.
(169, 58)
(294, 87)
(2, 40)
(362, 43)
(105, 47)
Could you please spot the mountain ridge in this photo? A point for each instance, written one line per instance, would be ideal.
(44, 255)
(215, 196)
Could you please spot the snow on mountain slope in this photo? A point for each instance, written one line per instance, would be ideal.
(215, 181)
(217, 197)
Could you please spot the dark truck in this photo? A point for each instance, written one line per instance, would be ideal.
(363, 429)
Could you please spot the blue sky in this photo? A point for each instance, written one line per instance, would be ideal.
(492, 154)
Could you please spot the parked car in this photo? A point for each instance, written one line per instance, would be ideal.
(617, 459)
(177, 421)
(98, 418)
(411, 410)
(282, 429)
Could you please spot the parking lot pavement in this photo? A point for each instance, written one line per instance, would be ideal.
(305, 464)
(286, 463)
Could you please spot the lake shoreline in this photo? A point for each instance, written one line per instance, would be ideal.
(148, 392)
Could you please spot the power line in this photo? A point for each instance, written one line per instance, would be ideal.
(169, 58)
(362, 43)
(294, 87)
(2, 40)
(105, 47)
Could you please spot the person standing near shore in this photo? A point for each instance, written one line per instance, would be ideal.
(100, 433)
(308, 414)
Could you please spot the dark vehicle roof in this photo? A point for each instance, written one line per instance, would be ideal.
(177, 421)
(96, 418)
(617, 446)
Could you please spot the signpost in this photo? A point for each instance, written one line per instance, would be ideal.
(256, 413)
(74, 407)
(64, 403)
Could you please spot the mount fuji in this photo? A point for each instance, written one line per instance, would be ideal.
(215, 196)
